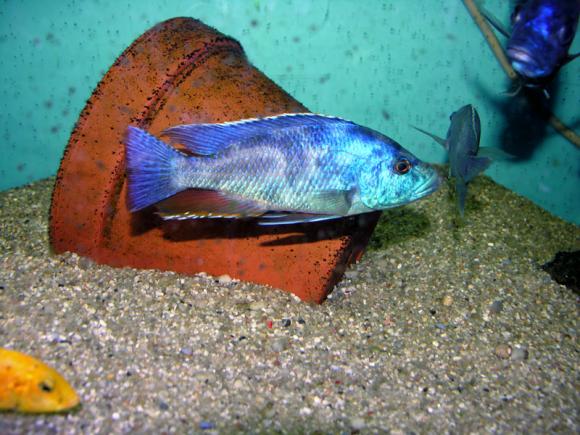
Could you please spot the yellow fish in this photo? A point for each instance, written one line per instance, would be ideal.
(28, 385)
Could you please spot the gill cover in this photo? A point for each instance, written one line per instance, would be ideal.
(376, 185)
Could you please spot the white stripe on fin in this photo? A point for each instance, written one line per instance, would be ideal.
(294, 218)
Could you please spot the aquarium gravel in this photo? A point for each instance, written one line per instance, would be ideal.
(444, 326)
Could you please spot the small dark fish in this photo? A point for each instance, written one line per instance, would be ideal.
(541, 35)
(466, 159)
(303, 167)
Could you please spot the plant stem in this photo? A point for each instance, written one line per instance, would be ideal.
(495, 46)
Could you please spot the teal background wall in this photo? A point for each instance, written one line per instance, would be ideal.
(384, 64)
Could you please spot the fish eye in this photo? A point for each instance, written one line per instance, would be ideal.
(516, 16)
(565, 34)
(402, 166)
(45, 386)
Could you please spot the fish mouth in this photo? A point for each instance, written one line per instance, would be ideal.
(519, 54)
(429, 186)
(524, 63)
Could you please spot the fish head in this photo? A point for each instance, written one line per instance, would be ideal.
(542, 32)
(32, 386)
(398, 179)
(48, 392)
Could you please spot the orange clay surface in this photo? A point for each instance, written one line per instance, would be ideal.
(182, 71)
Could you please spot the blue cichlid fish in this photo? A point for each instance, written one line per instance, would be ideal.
(302, 167)
(466, 159)
(541, 35)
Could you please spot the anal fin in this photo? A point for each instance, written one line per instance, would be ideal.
(200, 203)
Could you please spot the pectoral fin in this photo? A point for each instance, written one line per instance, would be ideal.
(476, 166)
(437, 139)
(494, 153)
(334, 201)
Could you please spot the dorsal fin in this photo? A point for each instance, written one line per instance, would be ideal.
(208, 139)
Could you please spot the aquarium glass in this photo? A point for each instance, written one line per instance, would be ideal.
(384, 64)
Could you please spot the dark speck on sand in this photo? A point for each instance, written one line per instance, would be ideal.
(449, 327)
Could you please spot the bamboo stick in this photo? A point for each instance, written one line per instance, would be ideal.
(495, 46)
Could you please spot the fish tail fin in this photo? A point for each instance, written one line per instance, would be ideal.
(150, 169)
(461, 193)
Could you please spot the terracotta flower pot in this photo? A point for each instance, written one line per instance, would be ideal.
(182, 71)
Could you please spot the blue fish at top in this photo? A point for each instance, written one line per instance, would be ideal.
(466, 158)
(283, 169)
(541, 35)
